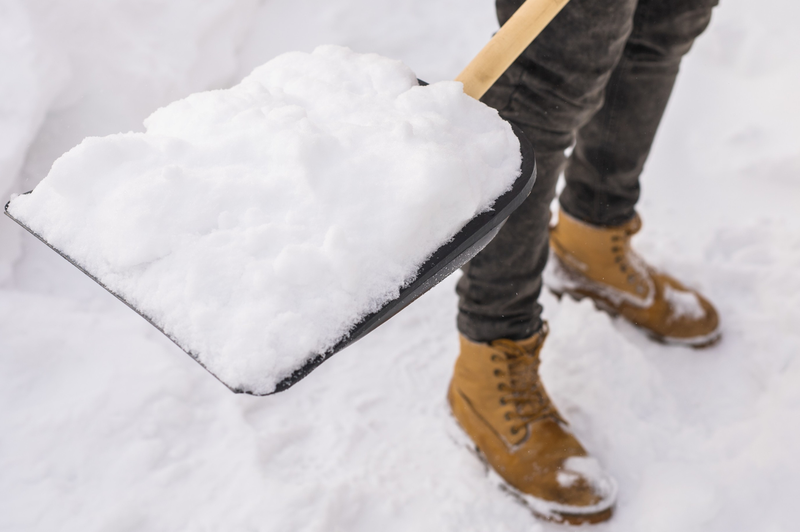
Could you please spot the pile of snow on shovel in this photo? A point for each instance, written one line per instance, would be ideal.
(257, 225)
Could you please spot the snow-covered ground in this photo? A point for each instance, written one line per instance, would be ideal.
(105, 425)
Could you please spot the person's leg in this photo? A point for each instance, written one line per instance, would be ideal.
(550, 91)
(603, 172)
(496, 394)
(592, 240)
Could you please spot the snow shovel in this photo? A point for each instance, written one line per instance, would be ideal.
(477, 77)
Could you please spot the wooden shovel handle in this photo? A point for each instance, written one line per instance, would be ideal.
(507, 44)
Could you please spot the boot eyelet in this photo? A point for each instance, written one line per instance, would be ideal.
(615, 249)
(498, 373)
(503, 401)
(496, 358)
(501, 386)
(514, 430)
(508, 416)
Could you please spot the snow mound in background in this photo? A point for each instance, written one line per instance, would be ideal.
(257, 225)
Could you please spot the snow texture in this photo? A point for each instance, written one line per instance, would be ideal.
(107, 426)
(590, 469)
(683, 304)
(257, 225)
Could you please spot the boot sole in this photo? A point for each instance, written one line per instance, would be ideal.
(563, 518)
(530, 502)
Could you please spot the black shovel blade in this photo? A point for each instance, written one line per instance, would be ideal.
(448, 258)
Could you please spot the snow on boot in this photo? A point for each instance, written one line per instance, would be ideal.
(498, 399)
(598, 262)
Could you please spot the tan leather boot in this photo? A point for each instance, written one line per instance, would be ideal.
(598, 262)
(499, 401)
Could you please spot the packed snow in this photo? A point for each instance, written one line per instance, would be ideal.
(683, 304)
(589, 468)
(257, 225)
(106, 425)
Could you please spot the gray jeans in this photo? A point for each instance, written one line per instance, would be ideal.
(598, 76)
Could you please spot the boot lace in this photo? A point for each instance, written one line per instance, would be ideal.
(629, 263)
(523, 387)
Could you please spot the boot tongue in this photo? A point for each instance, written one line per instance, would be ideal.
(633, 225)
(532, 344)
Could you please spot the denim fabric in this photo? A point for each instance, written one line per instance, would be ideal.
(599, 76)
